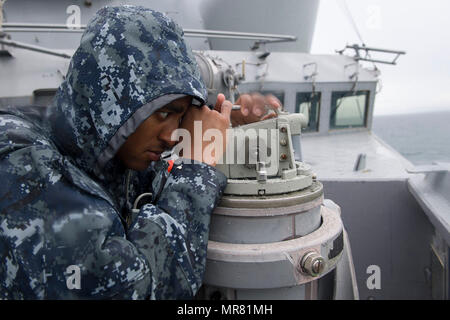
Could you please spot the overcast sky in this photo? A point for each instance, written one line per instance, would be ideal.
(420, 81)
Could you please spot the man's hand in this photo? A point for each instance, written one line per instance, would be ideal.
(218, 119)
(254, 107)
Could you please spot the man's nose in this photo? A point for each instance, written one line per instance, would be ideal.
(166, 134)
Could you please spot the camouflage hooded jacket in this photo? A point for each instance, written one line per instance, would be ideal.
(65, 200)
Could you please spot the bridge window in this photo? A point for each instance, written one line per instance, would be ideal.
(349, 109)
(308, 103)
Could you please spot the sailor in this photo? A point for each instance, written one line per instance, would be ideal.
(70, 173)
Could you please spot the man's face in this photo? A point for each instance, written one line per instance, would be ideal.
(152, 137)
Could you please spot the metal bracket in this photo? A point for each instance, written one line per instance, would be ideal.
(313, 74)
(358, 57)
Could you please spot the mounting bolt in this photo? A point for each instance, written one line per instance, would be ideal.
(283, 129)
(312, 264)
(283, 142)
(283, 157)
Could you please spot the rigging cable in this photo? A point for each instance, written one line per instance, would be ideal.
(347, 12)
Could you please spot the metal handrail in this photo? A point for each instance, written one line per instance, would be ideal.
(40, 26)
(358, 56)
(46, 27)
(26, 46)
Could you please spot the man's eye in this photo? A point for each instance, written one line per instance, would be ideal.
(163, 114)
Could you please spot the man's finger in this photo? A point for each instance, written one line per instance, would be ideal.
(245, 101)
(258, 104)
(219, 101)
(269, 116)
(273, 102)
(226, 109)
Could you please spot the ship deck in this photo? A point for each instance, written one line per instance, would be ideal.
(333, 157)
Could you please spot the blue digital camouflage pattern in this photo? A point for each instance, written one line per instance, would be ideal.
(61, 211)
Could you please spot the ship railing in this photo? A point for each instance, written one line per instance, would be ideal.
(194, 33)
(360, 50)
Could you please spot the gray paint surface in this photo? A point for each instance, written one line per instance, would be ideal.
(242, 16)
(185, 12)
(285, 17)
(386, 225)
(386, 228)
(432, 193)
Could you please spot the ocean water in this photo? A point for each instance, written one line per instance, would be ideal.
(421, 138)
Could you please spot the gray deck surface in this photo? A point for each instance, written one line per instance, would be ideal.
(334, 156)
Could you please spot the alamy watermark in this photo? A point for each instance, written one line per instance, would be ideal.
(73, 280)
(250, 146)
(74, 19)
(374, 280)
(374, 18)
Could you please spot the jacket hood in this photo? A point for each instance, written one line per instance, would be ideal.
(131, 61)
